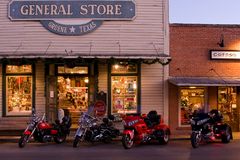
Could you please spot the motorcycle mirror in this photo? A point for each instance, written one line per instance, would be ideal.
(33, 111)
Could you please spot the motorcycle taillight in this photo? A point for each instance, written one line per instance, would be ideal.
(53, 132)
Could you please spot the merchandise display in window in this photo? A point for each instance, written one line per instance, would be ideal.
(18, 69)
(73, 93)
(124, 94)
(124, 68)
(74, 70)
(227, 105)
(192, 100)
(19, 95)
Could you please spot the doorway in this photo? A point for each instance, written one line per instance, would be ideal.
(227, 105)
(73, 92)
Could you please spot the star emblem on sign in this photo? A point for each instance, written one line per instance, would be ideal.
(72, 29)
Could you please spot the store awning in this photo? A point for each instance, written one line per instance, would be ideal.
(100, 56)
(205, 81)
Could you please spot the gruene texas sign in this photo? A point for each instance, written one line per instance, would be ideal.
(91, 12)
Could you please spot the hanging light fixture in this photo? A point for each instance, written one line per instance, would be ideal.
(86, 80)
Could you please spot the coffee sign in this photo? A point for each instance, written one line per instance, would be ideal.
(51, 12)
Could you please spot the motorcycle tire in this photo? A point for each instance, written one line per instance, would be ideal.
(127, 141)
(195, 140)
(60, 138)
(23, 141)
(76, 141)
(107, 139)
(165, 138)
(227, 137)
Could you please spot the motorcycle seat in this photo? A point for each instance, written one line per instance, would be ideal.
(152, 119)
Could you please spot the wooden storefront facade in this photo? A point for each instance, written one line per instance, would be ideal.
(126, 60)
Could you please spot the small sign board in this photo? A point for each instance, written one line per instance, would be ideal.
(51, 12)
(228, 55)
(93, 9)
(100, 108)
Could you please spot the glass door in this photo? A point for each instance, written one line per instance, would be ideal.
(191, 100)
(72, 88)
(227, 105)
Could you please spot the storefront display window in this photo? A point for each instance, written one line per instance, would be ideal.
(227, 103)
(124, 88)
(18, 90)
(19, 69)
(124, 68)
(191, 100)
(74, 70)
(124, 94)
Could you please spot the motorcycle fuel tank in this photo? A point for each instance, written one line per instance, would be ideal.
(44, 125)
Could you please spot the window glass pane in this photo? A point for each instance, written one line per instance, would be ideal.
(73, 93)
(227, 104)
(191, 100)
(129, 68)
(19, 95)
(74, 70)
(18, 69)
(124, 94)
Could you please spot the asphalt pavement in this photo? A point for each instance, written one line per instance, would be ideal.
(174, 150)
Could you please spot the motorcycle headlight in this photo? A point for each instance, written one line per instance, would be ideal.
(192, 122)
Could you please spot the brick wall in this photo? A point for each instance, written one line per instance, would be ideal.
(190, 45)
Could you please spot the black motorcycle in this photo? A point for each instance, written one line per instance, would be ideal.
(207, 127)
(90, 130)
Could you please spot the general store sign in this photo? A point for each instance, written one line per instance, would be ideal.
(224, 54)
(51, 13)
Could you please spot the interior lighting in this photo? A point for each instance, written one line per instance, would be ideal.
(116, 66)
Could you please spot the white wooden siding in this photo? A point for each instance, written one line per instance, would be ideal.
(142, 36)
(102, 78)
(39, 94)
(152, 88)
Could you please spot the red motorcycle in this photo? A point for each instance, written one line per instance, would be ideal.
(42, 131)
(143, 129)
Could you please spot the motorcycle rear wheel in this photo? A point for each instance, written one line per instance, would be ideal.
(227, 137)
(107, 139)
(195, 140)
(60, 138)
(127, 141)
(23, 141)
(76, 142)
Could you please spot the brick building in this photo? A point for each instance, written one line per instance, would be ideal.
(204, 72)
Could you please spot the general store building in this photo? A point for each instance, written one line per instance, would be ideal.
(53, 56)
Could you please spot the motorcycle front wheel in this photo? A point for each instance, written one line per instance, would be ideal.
(76, 142)
(23, 140)
(195, 140)
(127, 141)
(165, 138)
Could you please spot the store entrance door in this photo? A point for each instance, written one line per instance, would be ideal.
(227, 105)
(73, 96)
